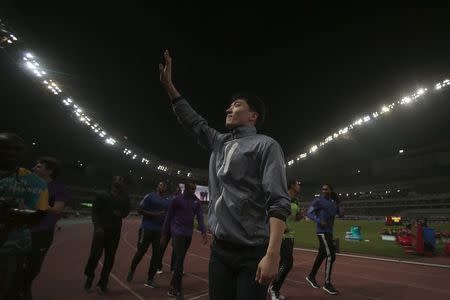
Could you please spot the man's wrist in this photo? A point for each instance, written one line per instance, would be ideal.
(272, 253)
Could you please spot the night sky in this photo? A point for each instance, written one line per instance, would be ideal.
(316, 67)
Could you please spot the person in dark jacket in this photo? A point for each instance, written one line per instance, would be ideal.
(108, 210)
(323, 211)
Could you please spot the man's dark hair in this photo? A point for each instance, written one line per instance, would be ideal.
(51, 164)
(329, 186)
(291, 182)
(255, 104)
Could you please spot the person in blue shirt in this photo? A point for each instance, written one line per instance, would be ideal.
(323, 211)
(153, 209)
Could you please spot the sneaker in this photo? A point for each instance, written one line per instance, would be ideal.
(274, 295)
(312, 282)
(130, 276)
(180, 296)
(159, 272)
(102, 288)
(171, 293)
(328, 287)
(151, 284)
(88, 283)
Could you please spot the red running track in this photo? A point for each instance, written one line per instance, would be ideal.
(356, 278)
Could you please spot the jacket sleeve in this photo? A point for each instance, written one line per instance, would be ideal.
(312, 211)
(195, 124)
(274, 184)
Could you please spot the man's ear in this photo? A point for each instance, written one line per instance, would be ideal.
(254, 116)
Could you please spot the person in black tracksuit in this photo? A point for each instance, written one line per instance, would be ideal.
(107, 213)
(323, 211)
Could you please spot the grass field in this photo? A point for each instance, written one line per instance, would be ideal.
(305, 237)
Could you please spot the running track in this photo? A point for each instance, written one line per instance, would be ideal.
(356, 278)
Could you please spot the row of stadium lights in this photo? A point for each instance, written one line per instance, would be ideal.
(34, 66)
(36, 69)
(361, 121)
(360, 193)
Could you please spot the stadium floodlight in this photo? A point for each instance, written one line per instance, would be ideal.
(421, 91)
(313, 149)
(30, 65)
(110, 141)
(385, 109)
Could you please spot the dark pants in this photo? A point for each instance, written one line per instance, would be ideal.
(108, 243)
(287, 260)
(162, 250)
(11, 273)
(40, 243)
(180, 246)
(147, 237)
(326, 251)
(232, 272)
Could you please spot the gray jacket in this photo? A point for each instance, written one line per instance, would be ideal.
(247, 179)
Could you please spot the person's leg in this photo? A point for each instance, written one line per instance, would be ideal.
(41, 242)
(321, 254)
(222, 277)
(331, 256)
(161, 253)
(180, 245)
(97, 246)
(18, 277)
(287, 260)
(112, 238)
(154, 261)
(172, 261)
(142, 247)
(246, 286)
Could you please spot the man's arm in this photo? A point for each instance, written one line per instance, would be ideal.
(60, 199)
(187, 116)
(150, 214)
(312, 211)
(125, 211)
(166, 227)
(199, 216)
(278, 208)
(97, 207)
(145, 204)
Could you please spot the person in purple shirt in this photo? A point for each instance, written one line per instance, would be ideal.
(179, 224)
(323, 211)
(48, 168)
(153, 209)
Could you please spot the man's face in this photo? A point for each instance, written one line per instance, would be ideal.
(326, 191)
(41, 170)
(191, 188)
(239, 114)
(296, 187)
(118, 183)
(178, 190)
(162, 187)
(11, 150)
